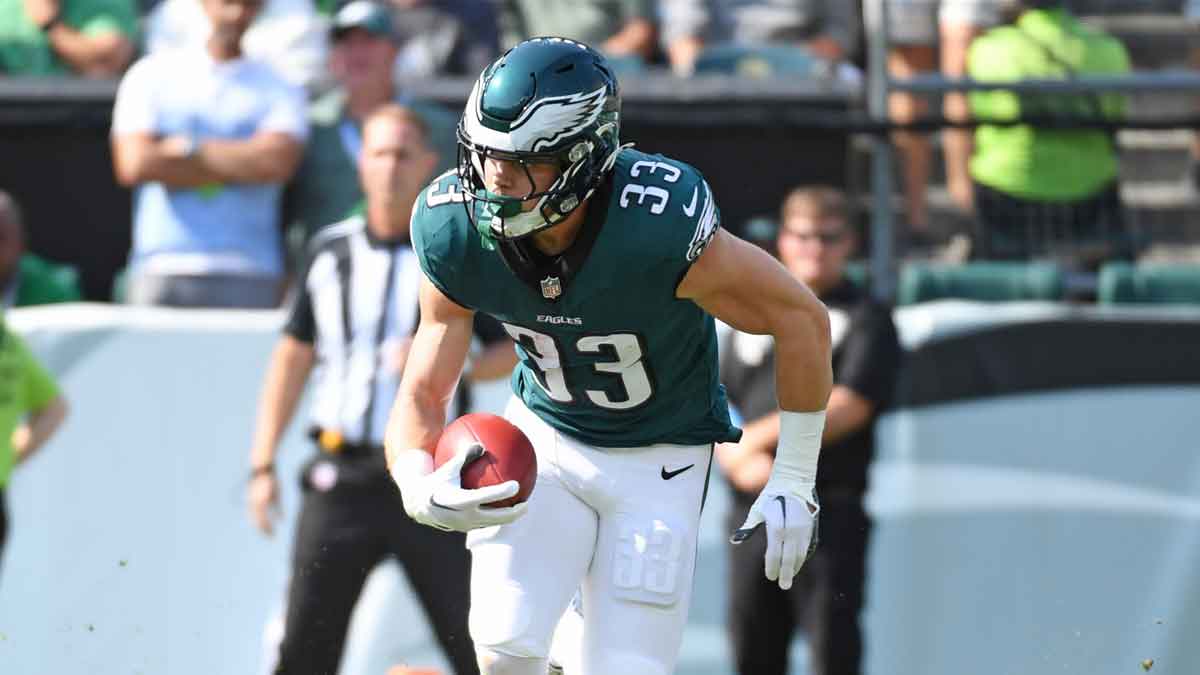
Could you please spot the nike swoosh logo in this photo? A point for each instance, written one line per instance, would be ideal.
(690, 209)
(668, 475)
(434, 503)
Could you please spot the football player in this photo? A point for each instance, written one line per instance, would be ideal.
(606, 265)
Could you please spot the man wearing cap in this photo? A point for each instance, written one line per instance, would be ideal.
(207, 138)
(363, 54)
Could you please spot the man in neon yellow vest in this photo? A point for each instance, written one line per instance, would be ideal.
(31, 409)
(1038, 189)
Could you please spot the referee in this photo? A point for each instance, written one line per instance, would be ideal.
(354, 314)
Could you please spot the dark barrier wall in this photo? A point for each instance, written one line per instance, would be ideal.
(754, 140)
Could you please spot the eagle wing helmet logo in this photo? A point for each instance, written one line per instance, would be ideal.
(560, 116)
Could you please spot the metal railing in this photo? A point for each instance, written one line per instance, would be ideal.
(880, 83)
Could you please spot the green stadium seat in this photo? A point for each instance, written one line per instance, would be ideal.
(755, 61)
(1158, 284)
(989, 281)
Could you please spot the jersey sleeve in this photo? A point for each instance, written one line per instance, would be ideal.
(439, 236)
(702, 221)
(669, 209)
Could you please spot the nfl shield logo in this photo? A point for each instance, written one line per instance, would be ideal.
(551, 288)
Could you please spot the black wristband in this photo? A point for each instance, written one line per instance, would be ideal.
(52, 22)
(262, 470)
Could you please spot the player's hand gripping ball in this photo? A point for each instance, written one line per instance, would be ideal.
(502, 453)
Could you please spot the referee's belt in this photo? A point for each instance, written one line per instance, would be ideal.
(332, 442)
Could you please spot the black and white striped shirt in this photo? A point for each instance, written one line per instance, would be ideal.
(356, 303)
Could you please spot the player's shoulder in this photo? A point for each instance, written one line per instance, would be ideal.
(438, 210)
(671, 196)
(641, 168)
(440, 229)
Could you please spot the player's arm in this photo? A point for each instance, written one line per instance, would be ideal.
(746, 288)
(435, 363)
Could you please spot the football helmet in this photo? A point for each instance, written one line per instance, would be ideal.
(546, 100)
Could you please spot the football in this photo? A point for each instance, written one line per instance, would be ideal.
(508, 454)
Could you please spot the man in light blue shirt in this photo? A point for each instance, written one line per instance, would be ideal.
(207, 138)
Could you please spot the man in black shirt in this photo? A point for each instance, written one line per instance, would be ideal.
(814, 242)
(354, 314)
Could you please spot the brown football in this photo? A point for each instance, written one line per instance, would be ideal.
(508, 454)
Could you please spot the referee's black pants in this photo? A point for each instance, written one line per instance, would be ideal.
(352, 518)
(825, 599)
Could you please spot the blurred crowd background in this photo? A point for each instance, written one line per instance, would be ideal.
(762, 95)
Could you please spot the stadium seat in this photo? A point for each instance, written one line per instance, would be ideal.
(1159, 284)
(990, 281)
(755, 61)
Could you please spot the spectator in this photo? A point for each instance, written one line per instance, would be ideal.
(619, 28)
(326, 187)
(920, 31)
(289, 35)
(445, 37)
(31, 410)
(208, 138)
(814, 242)
(92, 38)
(26, 279)
(1192, 13)
(1037, 190)
(352, 517)
(827, 29)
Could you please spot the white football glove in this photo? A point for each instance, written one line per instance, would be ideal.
(437, 498)
(791, 528)
(787, 505)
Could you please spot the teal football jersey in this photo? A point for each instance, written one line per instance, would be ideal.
(609, 355)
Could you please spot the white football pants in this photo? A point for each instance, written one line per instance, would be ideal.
(620, 526)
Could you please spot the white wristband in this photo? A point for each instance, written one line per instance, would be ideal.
(799, 447)
(409, 464)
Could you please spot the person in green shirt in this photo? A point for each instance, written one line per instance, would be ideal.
(92, 38)
(31, 410)
(26, 279)
(1041, 191)
(326, 188)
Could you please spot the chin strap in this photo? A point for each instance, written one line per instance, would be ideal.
(488, 212)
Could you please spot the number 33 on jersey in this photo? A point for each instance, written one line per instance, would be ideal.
(599, 327)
